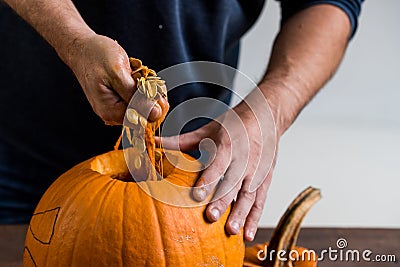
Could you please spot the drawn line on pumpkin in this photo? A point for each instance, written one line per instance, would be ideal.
(53, 226)
(30, 255)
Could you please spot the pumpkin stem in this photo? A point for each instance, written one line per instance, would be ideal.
(286, 233)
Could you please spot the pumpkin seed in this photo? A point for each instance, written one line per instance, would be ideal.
(139, 144)
(132, 116)
(158, 155)
(137, 163)
(147, 89)
(162, 89)
(152, 87)
(141, 88)
(143, 121)
(145, 71)
(153, 78)
(141, 85)
(152, 72)
(135, 63)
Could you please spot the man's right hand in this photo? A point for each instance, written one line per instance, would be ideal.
(102, 68)
(99, 63)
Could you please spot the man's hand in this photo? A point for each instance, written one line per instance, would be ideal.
(243, 142)
(306, 53)
(103, 70)
(99, 63)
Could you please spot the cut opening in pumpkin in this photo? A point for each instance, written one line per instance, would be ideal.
(113, 165)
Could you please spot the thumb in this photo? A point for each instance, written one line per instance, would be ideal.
(121, 79)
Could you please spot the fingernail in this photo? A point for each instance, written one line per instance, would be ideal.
(214, 214)
(155, 113)
(235, 227)
(199, 193)
(250, 235)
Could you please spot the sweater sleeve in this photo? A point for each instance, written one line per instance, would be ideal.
(351, 7)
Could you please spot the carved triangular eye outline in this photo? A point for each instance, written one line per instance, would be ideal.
(43, 224)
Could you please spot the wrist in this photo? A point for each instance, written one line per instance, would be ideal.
(284, 103)
(72, 46)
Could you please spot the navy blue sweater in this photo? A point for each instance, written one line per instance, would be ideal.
(47, 125)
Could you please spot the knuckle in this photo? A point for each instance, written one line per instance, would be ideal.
(107, 117)
(247, 195)
(258, 206)
(108, 120)
(241, 215)
(214, 173)
(223, 203)
(229, 188)
(225, 148)
(209, 181)
(104, 115)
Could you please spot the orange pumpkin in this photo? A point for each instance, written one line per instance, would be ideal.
(90, 218)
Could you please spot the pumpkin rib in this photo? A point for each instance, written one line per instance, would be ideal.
(107, 186)
(123, 226)
(158, 220)
(225, 248)
(150, 209)
(112, 209)
(67, 204)
(160, 231)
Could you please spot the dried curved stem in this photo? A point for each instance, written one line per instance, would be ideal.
(286, 233)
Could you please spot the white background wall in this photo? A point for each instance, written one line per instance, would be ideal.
(347, 141)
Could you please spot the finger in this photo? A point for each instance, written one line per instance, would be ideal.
(185, 142)
(218, 207)
(240, 210)
(210, 176)
(125, 86)
(251, 224)
(120, 77)
(116, 115)
(230, 185)
(228, 189)
(159, 109)
(109, 107)
(148, 109)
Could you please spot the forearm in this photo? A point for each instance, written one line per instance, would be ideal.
(306, 53)
(58, 21)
